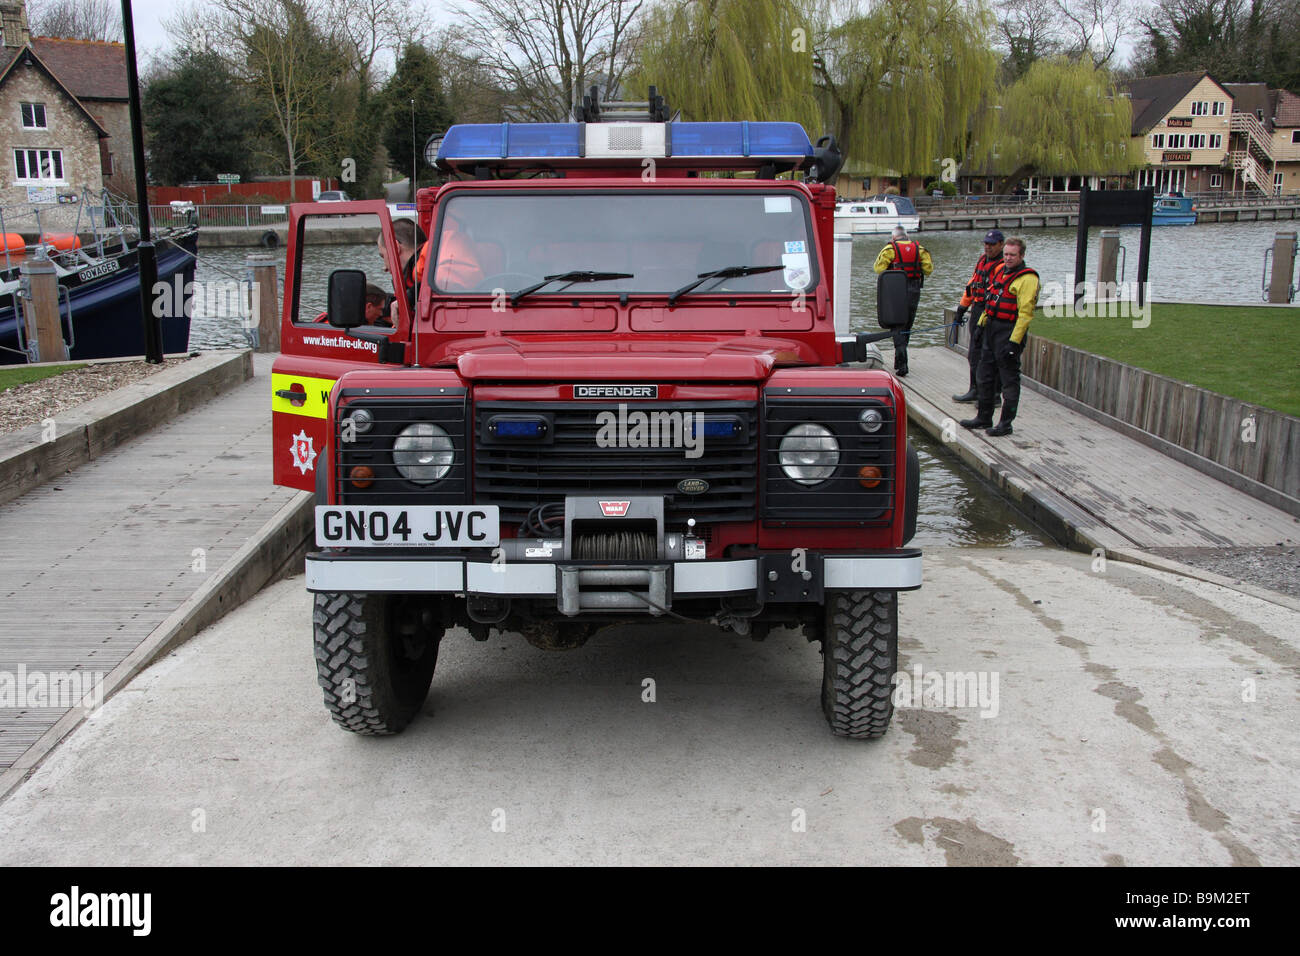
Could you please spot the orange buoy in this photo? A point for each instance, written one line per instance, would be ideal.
(13, 242)
(63, 241)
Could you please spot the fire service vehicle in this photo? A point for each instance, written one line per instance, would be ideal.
(619, 395)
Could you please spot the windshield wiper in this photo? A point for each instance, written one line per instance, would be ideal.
(570, 278)
(730, 272)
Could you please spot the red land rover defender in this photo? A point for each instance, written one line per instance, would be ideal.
(619, 395)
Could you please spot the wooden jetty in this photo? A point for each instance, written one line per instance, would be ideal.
(1085, 483)
(96, 562)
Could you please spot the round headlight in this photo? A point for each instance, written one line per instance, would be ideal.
(809, 453)
(361, 421)
(870, 419)
(423, 453)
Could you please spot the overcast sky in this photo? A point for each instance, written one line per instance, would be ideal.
(151, 38)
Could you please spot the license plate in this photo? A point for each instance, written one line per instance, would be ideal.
(417, 526)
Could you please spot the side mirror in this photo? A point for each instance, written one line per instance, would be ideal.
(891, 299)
(347, 298)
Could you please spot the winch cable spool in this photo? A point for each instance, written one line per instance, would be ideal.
(616, 546)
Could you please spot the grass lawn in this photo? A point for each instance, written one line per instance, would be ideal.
(22, 374)
(1248, 353)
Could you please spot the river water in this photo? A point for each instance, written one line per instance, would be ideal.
(957, 509)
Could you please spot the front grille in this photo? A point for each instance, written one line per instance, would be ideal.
(516, 475)
(374, 449)
(839, 498)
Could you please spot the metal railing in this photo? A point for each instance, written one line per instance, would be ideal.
(1069, 202)
(219, 215)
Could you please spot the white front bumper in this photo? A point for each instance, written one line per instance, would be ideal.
(888, 572)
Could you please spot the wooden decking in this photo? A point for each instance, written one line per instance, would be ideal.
(92, 562)
(1114, 488)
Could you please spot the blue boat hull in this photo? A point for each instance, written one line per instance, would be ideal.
(106, 310)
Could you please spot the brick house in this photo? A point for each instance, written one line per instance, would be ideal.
(64, 119)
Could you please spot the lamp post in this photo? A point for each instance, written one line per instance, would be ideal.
(153, 347)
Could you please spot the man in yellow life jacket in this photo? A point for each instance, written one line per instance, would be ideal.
(915, 262)
(1008, 310)
(972, 300)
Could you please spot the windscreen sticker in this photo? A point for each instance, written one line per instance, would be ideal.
(776, 204)
(796, 246)
(798, 273)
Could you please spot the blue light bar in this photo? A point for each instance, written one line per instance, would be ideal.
(755, 140)
(499, 143)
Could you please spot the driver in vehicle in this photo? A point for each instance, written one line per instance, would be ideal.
(458, 267)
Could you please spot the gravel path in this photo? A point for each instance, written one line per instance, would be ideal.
(25, 405)
(1276, 568)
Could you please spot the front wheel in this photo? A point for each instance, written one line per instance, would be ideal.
(375, 658)
(859, 658)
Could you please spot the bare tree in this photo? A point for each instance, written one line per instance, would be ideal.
(546, 52)
(1095, 28)
(75, 19)
(1032, 30)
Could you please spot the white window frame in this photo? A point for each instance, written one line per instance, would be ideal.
(1277, 183)
(1196, 140)
(1295, 137)
(1216, 141)
(1177, 141)
(40, 154)
(1200, 108)
(1157, 140)
(1216, 180)
(33, 106)
(1219, 107)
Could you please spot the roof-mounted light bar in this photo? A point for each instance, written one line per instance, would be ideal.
(741, 145)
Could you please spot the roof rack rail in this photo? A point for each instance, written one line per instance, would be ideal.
(654, 109)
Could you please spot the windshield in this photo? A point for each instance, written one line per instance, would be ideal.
(509, 241)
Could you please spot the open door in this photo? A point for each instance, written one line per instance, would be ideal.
(314, 354)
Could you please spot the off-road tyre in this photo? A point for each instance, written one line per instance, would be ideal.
(375, 679)
(859, 659)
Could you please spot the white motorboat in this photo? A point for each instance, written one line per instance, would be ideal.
(879, 214)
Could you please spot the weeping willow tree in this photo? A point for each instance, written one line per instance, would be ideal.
(730, 60)
(1063, 117)
(904, 84)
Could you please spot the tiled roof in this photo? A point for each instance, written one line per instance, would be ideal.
(1154, 96)
(91, 69)
(1286, 108)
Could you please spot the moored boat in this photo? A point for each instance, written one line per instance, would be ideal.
(99, 291)
(1173, 209)
(877, 215)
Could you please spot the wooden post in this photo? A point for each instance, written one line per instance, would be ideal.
(266, 302)
(41, 309)
(1108, 267)
(1279, 286)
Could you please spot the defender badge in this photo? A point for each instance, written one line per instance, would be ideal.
(303, 454)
